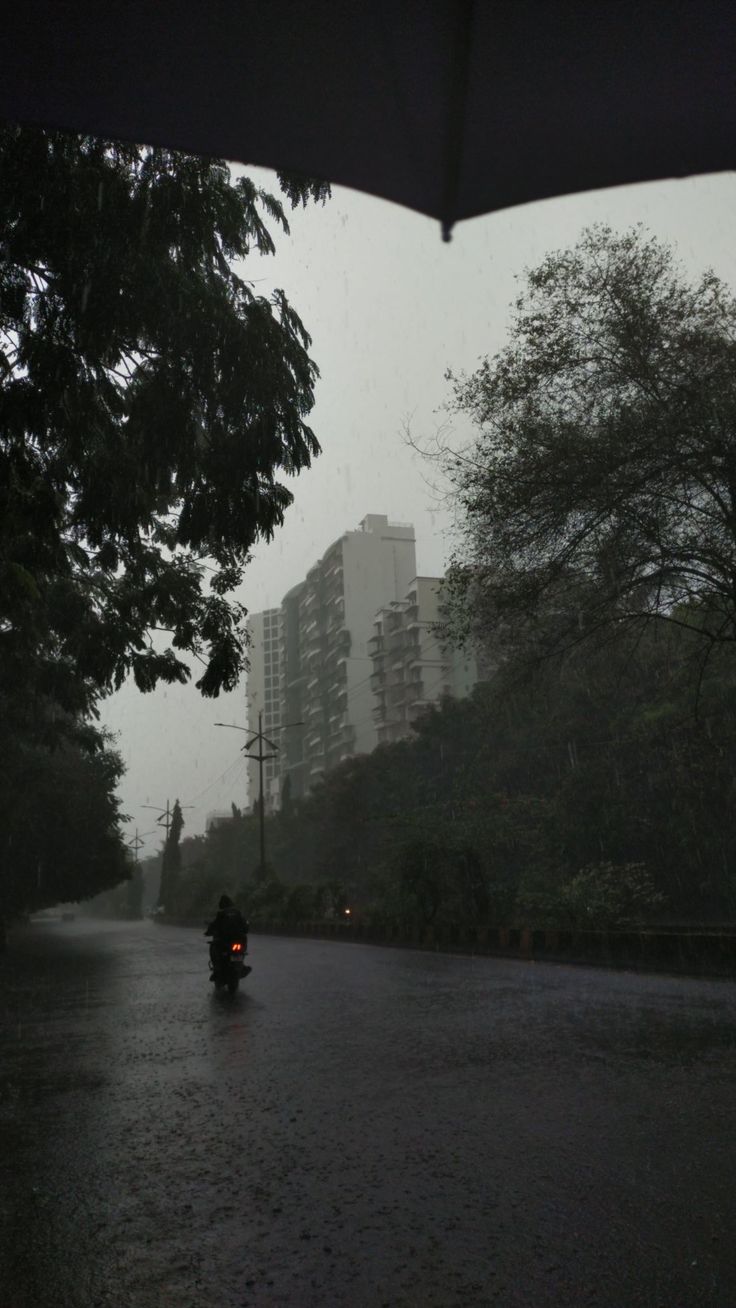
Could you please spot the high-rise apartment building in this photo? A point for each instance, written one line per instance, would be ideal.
(291, 762)
(413, 667)
(333, 617)
(263, 697)
(310, 663)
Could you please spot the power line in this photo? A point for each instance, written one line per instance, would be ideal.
(261, 739)
(166, 815)
(221, 777)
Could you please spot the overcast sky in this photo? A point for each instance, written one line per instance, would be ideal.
(389, 308)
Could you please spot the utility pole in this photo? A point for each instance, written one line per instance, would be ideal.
(135, 885)
(138, 841)
(262, 740)
(136, 844)
(165, 819)
(261, 760)
(165, 816)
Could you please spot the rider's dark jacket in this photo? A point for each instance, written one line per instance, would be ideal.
(229, 924)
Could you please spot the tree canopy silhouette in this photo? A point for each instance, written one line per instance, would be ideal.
(600, 487)
(151, 403)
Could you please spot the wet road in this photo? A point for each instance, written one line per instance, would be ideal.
(358, 1126)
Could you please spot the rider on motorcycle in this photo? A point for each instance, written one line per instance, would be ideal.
(227, 925)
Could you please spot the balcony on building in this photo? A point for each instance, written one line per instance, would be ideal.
(332, 564)
(339, 654)
(378, 680)
(397, 656)
(336, 680)
(398, 693)
(338, 664)
(341, 739)
(420, 662)
(396, 644)
(297, 679)
(333, 628)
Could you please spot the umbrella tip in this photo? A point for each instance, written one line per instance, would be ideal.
(447, 230)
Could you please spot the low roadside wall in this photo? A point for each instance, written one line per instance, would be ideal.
(703, 953)
(706, 953)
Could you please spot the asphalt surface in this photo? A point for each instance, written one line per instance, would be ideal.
(358, 1126)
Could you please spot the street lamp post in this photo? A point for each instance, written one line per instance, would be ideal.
(136, 844)
(261, 757)
(165, 815)
(135, 903)
(165, 819)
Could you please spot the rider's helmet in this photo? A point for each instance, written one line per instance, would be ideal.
(226, 901)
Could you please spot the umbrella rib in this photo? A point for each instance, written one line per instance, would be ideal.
(458, 99)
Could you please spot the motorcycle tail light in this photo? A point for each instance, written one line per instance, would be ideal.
(237, 948)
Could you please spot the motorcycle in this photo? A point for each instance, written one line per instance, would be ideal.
(227, 964)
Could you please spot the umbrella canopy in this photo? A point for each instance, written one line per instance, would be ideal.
(451, 107)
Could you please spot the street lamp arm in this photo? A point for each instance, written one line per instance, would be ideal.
(260, 758)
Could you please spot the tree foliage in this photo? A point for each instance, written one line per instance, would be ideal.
(605, 895)
(171, 861)
(589, 794)
(600, 487)
(151, 402)
(59, 821)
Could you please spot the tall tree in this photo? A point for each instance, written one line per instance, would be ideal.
(171, 861)
(600, 487)
(150, 403)
(59, 820)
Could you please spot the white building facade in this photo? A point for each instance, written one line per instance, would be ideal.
(263, 697)
(350, 660)
(336, 607)
(413, 666)
(310, 664)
